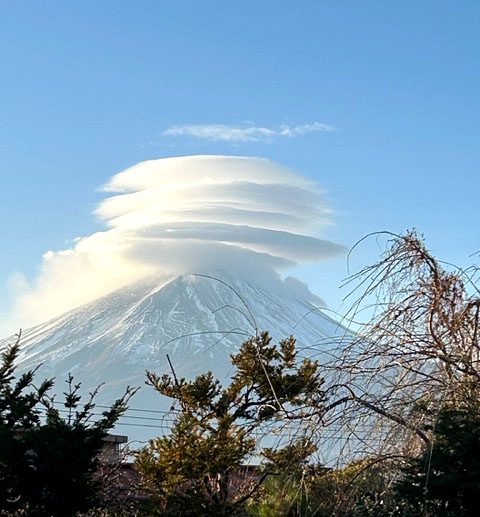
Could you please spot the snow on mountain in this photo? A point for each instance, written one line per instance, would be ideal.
(198, 321)
(241, 219)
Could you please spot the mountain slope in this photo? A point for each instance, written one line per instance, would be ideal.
(198, 321)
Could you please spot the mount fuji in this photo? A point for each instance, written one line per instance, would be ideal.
(118, 301)
(197, 320)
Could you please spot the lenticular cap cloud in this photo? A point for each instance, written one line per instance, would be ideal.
(194, 214)
(216, 169)
(252, 203)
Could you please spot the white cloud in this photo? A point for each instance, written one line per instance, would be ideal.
(227, 133)
(181, 215)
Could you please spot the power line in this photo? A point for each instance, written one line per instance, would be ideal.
(128, 409)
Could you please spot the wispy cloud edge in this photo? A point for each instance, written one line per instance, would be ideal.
(230, 133)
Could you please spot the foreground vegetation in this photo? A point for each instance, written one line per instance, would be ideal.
(49, 463)
(396, 404)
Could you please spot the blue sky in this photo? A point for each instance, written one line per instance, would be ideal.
(89, 88)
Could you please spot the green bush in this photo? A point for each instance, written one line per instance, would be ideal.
(48, 462)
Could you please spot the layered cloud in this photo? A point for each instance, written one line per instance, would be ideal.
(227, 133)
(171, 216)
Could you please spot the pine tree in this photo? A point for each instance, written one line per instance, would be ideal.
(190, 470)
(444, 480)
(48, 462)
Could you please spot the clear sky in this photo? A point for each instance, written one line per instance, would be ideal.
(377, 101)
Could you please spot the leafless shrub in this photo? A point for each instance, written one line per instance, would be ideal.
(419, 351)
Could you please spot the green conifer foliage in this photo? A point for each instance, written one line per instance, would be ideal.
(48, 461)
(190, 470)
(444, 480)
